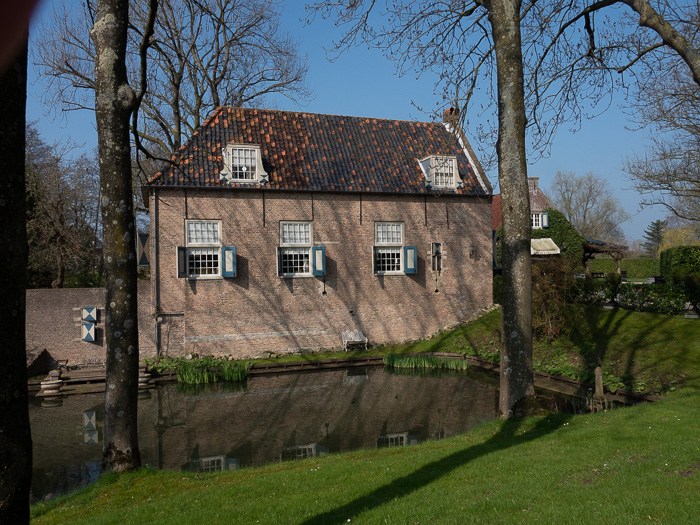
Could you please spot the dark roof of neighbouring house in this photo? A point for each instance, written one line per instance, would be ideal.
(307, 151)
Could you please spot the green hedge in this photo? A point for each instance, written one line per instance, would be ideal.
(667, 299)
(635, 268)
(680, 261)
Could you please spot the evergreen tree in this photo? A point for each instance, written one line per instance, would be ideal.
(653, 236)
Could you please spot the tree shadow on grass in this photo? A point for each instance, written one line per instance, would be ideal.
(506, 437)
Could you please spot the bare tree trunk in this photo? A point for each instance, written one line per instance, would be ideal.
(15, 435)
(517, 389)
(114, 102)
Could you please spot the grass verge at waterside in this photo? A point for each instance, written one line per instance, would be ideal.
(632, 465)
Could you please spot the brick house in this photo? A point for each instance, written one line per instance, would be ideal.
(275, 231)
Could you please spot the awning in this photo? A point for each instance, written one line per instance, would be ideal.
(543, 247)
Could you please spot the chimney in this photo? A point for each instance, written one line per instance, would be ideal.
(451, 116)
(533, 184)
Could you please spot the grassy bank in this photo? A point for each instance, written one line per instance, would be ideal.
(631, 465)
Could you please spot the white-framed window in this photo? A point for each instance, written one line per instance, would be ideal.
(539, 220)
(440, 171)
(242, 163)
(203, 256)
(203, 242)
(297, 452)
(296, 255)
(390, 254)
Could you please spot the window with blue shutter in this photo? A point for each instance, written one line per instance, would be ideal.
(410, 258)
(545, 220)
(228, 260)
(318, 258)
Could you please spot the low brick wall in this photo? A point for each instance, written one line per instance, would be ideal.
(53, 325)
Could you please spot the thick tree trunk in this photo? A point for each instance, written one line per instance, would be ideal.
(516, 384)
(15, 436)
(114, 102)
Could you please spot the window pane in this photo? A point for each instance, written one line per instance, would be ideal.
(443, 173)
(295, 261)
(202, 261)
(243, 163)
(203, 232)
(388, 259)
(389, 233)
(296, 233)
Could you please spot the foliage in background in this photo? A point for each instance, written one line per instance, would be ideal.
(680, 261)
(551, 278)
(589, 205)
(667, 299)
(562, 232)
(654, 236)
(635, 268)
(63, 230)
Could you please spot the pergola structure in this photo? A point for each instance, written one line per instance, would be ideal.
(594, 246)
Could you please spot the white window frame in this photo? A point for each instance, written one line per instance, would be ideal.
(388, 246)
(535, 221)
(436, 162)
(203, 247)
(232, 173)
(295, 247)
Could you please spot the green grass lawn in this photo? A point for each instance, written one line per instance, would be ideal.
(631, 465)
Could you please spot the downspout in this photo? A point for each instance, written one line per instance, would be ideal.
(154, 263)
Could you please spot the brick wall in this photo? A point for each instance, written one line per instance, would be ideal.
(53, 324)
(258, 311)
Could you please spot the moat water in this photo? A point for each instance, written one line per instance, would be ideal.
(274, 418)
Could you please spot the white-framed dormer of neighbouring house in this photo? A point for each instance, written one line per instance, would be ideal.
(539, 220)
(440, 171)
(391, 256)
(296, 254)
(204, 256)
(242, 163)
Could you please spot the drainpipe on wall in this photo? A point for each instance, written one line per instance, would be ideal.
(154, 263)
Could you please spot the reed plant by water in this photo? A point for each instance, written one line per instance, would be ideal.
(205, 370)
(424, 362)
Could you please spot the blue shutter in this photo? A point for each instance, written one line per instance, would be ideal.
(88, 332)
(228, 261)
(544, 220)
(181, 262)
(410, 259)
(318, 260)
(88, 313)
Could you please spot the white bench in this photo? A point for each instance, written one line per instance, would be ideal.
(353, 337)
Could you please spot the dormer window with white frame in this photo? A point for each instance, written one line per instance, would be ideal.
(440, 171)
(242, 163)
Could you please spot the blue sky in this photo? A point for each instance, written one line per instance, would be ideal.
(364, 83)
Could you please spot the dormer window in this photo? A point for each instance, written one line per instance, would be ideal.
(440, 171)
(242, 163)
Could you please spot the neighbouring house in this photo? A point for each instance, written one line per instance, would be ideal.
(276, 231)
(539, 218)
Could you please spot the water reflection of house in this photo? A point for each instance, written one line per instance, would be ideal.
(273, 231)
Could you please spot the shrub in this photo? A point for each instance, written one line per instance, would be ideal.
(565, 236)
(680, 261)
(635, 268)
